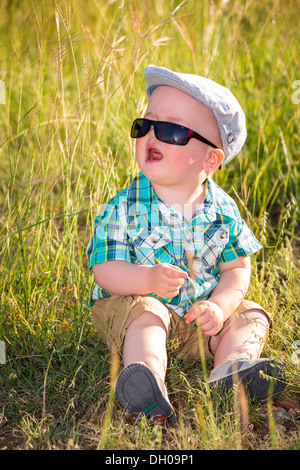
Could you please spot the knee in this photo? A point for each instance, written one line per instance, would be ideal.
(256, 317)
(147, 319)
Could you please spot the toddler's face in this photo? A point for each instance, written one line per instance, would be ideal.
(172, 165)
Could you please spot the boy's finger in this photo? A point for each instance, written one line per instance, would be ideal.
(175, 283)
(190, 315)
(193, 314)
(176, 272)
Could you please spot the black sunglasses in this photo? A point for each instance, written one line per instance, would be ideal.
(167, 132)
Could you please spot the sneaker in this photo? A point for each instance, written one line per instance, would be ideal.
(263, 379)
(142, 392)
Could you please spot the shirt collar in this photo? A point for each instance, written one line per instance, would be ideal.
(141, 198)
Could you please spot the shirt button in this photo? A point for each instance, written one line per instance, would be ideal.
(154, 240)
(223, 235)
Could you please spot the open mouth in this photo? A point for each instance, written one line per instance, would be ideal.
(154, 155)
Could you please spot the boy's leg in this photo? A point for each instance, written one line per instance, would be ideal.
(145, 341)
(140, 386)
(237, 357)
(245, 337)
(138, 325)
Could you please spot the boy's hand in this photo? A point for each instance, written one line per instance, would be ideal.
(208, 315)
(166, 280)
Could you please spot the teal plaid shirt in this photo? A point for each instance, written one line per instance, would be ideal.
(136, 226)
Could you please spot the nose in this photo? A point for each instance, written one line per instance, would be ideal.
(151, 131)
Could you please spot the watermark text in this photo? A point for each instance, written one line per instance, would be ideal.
(296, 94)
(295, 358)
(2, 352)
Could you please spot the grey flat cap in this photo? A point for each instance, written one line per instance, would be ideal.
(220, 100)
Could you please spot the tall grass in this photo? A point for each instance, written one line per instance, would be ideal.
(73, 73)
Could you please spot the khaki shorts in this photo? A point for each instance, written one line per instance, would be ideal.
(113, 315)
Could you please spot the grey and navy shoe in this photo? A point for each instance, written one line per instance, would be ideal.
(263, 379)
(143, 393)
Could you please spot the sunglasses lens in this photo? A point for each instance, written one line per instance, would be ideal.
(139, 128)
(164, 131)
(171, 133)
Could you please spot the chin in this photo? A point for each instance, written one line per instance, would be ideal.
(153, 174)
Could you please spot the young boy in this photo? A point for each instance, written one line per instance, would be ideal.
(170, 253)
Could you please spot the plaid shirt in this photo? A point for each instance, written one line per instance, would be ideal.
(136, 226)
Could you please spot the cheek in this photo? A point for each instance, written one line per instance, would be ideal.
(187, 160)
(196, 155)
(139, 148)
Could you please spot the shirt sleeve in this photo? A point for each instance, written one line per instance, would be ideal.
(109, 240)
(242, 242)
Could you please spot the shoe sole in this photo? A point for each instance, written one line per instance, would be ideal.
(139, 393)
(266, 380)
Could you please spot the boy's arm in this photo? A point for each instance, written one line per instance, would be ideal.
(226, 297)
(233, 285)
(124, 278)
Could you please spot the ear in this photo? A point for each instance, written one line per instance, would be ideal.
(214, 159)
